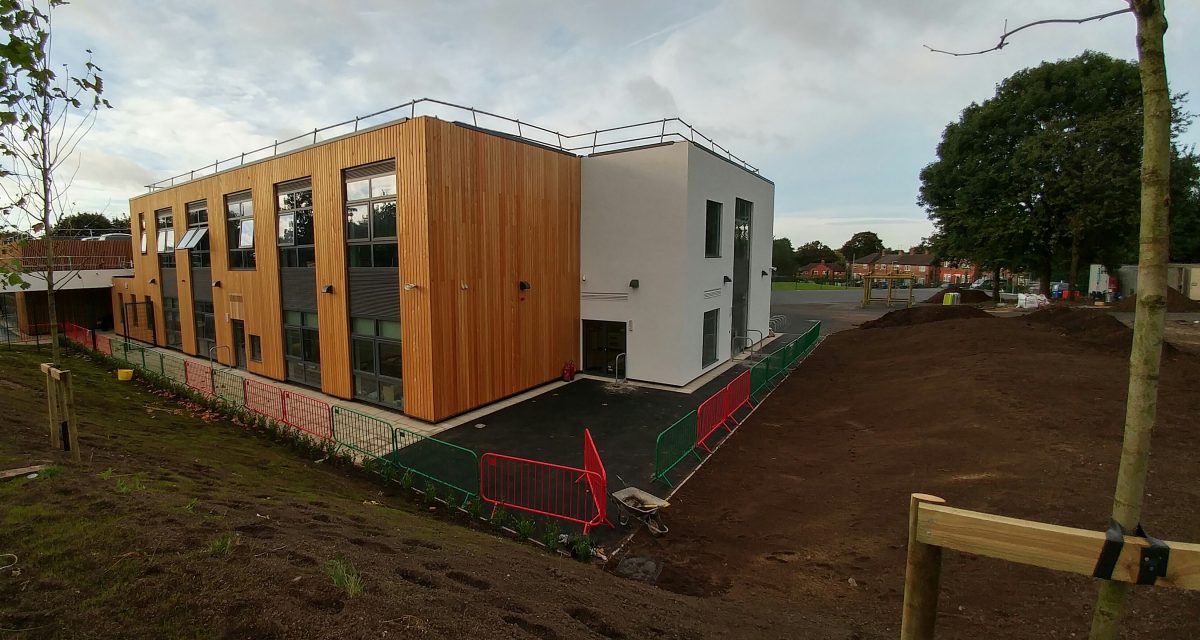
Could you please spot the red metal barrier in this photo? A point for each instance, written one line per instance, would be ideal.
(710, 416)
(738, 396)
(198, 376)
(77, 334)
(308, 414)
(103, 344)
(264, 399)
(547, 489)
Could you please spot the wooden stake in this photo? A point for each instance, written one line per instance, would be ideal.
(922, 577)
(52, 407)
(68, 391)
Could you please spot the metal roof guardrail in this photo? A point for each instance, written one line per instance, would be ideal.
(598, 140)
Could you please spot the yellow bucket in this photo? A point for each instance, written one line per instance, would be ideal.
(124, 374)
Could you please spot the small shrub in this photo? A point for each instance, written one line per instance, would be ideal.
(581, 550)
(126, 487)
(106, 474)
(550, 536)
(50, 472)
(473, 507)
(224, 544)
(430, 492)
(524, 527)
(499, 517)
(406, 481)
(345, 577)
(190, 507)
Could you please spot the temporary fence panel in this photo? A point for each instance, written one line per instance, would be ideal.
(104, 344)
(199, 377)
(738, 395)
(446, 463)
(173, 368)
(674, 444)
(711, 416)
(541, 488)
(228, 386)
(597, 477)
(360, 432)
(263, 399)
(152, 361)
(307, 414)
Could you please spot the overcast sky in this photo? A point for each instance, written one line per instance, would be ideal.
(837, 102)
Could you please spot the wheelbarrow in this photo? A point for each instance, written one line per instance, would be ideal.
(635, 504)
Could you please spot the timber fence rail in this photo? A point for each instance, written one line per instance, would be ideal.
(748, 389)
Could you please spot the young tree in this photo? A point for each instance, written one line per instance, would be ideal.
(44, 114)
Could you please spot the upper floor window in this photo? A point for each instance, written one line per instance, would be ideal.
(295, 203)
(371, 216)
(712, 230)
(142, 231)
(195, 241)
(239, 226)
(164, 222)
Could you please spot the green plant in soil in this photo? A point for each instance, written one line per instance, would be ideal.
(499, 517)
(406, 481)
(224, 544)
(473, 507)
(190, 507)
(550, 535)
(581, 549)
(106, 474)
(50, 472)
(345, 576)
(430, 492)
(524, 527)
(126, 487)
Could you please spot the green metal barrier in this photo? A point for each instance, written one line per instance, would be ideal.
(674, 444)
(365, 434)
(448, 464)
(229, 387)
(173, 368)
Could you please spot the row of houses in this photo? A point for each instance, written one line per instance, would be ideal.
(924, 267)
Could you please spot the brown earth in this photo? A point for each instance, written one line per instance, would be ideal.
(805, 507)
(121, 545)
(967, 296)
(1176, 303)
(922, 315)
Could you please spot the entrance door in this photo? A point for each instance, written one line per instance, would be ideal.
(603, 341)
(239, 342)
(742, 213)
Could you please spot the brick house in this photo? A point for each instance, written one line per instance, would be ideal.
(822, 271)
(922, 266)
(962, 272)
(863, 265)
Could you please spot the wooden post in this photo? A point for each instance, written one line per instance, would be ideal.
(922, 578)
(68, 392)
(52, 405)
(60, 396)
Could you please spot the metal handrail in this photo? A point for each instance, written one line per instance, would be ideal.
(760, 339)
(617, 367)
(550, 138)
(746, 338)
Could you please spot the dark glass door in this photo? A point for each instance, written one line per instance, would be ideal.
(603, 341)
(742, 214)
(239, 342)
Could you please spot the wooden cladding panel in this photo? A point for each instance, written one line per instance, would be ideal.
(260, 288)
(500, 212)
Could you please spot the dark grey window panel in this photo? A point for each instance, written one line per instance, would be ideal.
(368, 170)
(202, 284)
(375, 293)
(170, 283)
(298, 288)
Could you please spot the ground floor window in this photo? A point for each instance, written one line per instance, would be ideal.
(378, 365)
(708, 353)
(206, 327)
(171, 317)
(302, 347)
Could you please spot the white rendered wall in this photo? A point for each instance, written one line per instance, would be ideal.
(643, 217)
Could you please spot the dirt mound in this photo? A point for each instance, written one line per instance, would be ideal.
(922, 315)
(1086, 325)
(968, 296)
(1176, 303)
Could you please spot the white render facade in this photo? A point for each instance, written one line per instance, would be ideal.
(648, 215)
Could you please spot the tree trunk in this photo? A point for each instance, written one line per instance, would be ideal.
(47, 219)
(995, 285)
(1073, 276)
(1047, 271)
(1146, 355)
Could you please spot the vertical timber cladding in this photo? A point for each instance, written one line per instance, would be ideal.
(259, 288)
(500, 212)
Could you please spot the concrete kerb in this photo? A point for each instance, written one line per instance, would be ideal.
(629, 536)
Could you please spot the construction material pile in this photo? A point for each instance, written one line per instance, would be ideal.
(966, 296)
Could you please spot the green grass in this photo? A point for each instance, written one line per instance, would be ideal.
(345, 577)
(190, 507)
(808, 286)
(50, 472)
(224, 544)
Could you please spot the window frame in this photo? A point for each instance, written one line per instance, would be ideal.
(712, 245)
(164, 226)
(293, 253)
(241, 257)
(196, 240)
(143, 240)
(374, 244)
(704, 336)
(376, 341)
(308, 333)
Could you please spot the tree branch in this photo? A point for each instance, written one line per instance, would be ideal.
(1004, 36)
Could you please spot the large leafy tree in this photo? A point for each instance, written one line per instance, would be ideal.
(1047, 171)
(88, 223)
(815, 251)
(861, 244)
(783, 258)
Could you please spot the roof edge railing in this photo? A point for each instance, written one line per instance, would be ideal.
(579, 143)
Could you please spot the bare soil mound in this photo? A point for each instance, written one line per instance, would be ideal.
(923, 315)
(1086, 325)
(967, 296)
(1176, 303)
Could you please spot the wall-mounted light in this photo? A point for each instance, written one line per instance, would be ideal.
(728, 279)
(524, 286)
(765, 274)
(153, 280)
(216, 284)
(408, 286)
(633, 284)
(327, 289)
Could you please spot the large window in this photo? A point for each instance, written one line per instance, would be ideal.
(171, 317)
(295, 203)
(371, 216)
(195, 241)
(708, 353)
(712, 230)
(378, 365)
(142, 231)
(206, 327)
(166, 237)
(239, 227)
(302, 347)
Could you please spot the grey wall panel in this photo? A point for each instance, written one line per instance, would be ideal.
(375, 293)
(202, 284)
(170, 283)
(298, 289)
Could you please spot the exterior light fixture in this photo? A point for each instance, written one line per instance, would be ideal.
(765, 273)
(728, 279)
(327, 289)
(525, 285)
(408, 286)
(153, 280)
(633, 284)
(216, 284)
